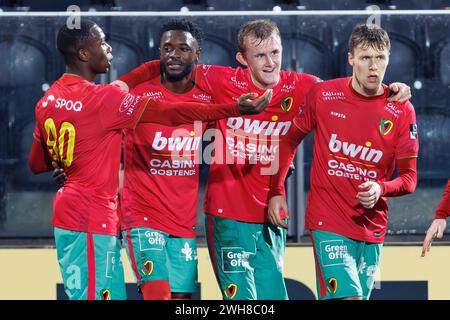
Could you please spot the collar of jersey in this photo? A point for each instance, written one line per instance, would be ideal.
(356, 93)
(70, 78)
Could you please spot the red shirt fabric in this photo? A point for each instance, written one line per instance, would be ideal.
(356, 139)
(443, 210)
(245, 147)
(161, 172)
(86, 121)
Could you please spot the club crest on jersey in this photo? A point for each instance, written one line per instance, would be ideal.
(385, 126)
(286, 104)
(231, 290)
(332, 285)
(105, 294)
(147, 267)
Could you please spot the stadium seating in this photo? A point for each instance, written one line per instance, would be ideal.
(434, 135)
(313, 44)
(127, 56)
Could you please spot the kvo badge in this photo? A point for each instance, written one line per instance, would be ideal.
(286, 104)
(230, 291)
(385, 126)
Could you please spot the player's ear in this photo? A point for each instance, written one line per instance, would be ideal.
(197, 55)
(240, 57)
(83, 55)
(350, 59)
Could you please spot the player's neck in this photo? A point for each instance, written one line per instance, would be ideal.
(85, 74)
(260, 85)
(181, 86)
(359, 88)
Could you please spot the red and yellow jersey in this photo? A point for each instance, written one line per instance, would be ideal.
(246, 147)
(443, 210)
(357, 139)
(80, 123)
(161, 179)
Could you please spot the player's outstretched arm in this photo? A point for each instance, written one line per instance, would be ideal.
(402, 92)
(436, 230)
(250, 103)
(437, 227)
(175, 114)
(277, 200)
(144, 72)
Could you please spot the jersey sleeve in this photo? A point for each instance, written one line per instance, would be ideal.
(408, 139)
(142, 73)
(305, 120)
(211, 78)
(443, 210)
(119, 109)
(307, 82)
(37, 133)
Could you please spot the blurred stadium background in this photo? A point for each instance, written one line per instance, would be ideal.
(313, 42)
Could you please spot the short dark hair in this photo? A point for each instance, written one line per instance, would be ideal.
(183, 25)
(260, 29)
(369, 35)
(69, 41)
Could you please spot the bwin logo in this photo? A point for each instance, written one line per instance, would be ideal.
(353, 151)
(176, 143)
(259, 127)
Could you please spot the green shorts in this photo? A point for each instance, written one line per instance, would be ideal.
(90, 264)
(247, 258)
(344, 267)
(155, 255)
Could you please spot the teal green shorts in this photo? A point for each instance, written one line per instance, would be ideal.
(344, 267)
(247, 258)
(155, 255)
(90, 264)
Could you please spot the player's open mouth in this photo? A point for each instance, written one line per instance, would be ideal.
(174, 66)
(373, 78)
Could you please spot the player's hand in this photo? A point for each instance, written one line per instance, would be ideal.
(59, 176)
(436, 230)
(123, 86)
(369, 197)
(250, 103)
(402, 92)
(277, 203)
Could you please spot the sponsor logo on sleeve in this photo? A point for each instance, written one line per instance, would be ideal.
(413, 131)
(385, 126)
(129, 104)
